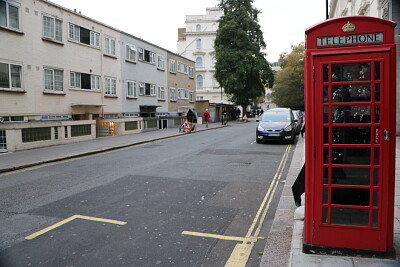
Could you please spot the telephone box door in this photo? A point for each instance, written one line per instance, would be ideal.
(350, 147)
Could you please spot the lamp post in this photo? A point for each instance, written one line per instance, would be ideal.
(220, 85)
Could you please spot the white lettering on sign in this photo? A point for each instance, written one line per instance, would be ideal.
(350, 39)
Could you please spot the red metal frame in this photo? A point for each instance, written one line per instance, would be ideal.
(377, 234)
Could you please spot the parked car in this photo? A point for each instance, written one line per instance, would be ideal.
(276, 124)
(298, 119)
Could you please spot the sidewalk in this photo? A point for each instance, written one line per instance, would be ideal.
(28, 158)
(284, 243)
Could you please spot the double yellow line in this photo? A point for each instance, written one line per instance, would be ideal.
(242, 251)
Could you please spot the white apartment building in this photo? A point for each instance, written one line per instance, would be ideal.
(385, 9)
(196, 42)
(65, 77)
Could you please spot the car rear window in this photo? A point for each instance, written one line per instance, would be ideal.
(276, 116)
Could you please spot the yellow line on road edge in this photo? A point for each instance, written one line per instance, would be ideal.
(45, 230)
(223, 237)
(241, 252)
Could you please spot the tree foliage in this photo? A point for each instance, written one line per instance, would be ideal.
(288, 90)
(241, 68)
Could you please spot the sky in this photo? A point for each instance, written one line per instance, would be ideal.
(283, 22)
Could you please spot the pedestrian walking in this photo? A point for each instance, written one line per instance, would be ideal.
(224, 118)
(207, 117)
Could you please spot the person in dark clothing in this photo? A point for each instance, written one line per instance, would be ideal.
(224, 118)
(238, 113)
(190, 116)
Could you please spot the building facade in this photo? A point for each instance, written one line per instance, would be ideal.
(385, 9)
(196, 42)
(65, 77)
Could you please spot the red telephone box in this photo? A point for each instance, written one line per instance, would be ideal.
(350, 144)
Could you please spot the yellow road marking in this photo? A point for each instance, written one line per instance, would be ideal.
(240, 255)
(241, 252)
(222, 237)
(47, 229)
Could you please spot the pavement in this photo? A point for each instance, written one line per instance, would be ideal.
(284, 243)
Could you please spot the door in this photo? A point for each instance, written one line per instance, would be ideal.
(351, 173)
(3, 141)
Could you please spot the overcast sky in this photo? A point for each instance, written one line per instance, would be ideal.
(157, 21)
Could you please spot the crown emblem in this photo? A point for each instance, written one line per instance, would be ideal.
(349, 27)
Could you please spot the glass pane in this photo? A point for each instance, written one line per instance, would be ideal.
(377, 156)
(326, 114)
(376, 198)
(351, 176)
(326, 175)
(377, 135)
(351, 114)
(325, 195)
(377, 92)
(351, 93)
(351, 72)
(377, 113)
(351, 135)
(375, 218)
(326, 155)
(326, 96)
(356, 217)
(326, 72)
(324, 215)
(14, 21)
(377, 70)
(326, 135)
(15, 76)
(3, 14)
(376, 176)
(350, 196)
(351, 155)
(4, 76)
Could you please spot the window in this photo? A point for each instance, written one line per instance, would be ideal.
(147, 56)
(36, 134)
(131, 125)
(84, 81)
(183, 93)
(80, 130)
(172, 94)
(199, 82)
(199, 62)
(109, 46)
(191, 96)
(198, 44)
(95, 39)
(132, 89)
(52, 28)
(84, 35)
(130, 53)
(147, 89)
(110, 86)
(191, 72)
(9, 15)
(198, 28)
(160, 62)
(53, 80)
(10, 76)
(95, 82)
(182, 67)
(199, 97)
(172, 66)
(161, 92)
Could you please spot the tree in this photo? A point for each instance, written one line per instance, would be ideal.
(288, 90)
(241, 68)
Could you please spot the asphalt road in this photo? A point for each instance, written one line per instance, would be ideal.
(193, 200)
